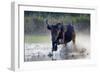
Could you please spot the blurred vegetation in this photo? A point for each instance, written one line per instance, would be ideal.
(34, 22)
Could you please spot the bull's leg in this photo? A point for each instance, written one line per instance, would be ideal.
(74, 41)
(54, 49)
(73, 37)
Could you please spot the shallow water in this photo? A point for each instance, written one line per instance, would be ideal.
(42, 51)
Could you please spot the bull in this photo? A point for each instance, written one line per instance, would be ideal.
(61, 34)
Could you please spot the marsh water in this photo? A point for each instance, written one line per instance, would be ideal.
(41, 51)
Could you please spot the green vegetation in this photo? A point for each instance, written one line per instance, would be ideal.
(65, 17)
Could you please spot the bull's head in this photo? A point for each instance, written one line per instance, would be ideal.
(55, 29)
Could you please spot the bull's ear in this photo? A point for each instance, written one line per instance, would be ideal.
(49, 27)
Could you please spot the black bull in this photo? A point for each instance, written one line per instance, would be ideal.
(61, 35)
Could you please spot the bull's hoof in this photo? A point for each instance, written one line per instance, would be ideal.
(50, 54)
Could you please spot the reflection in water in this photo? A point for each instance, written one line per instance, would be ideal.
(42, 51)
